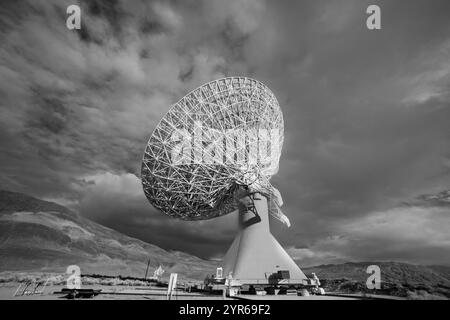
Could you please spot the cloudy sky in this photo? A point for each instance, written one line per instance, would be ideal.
(367, 115)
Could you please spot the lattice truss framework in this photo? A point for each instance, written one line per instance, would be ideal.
(230, 111)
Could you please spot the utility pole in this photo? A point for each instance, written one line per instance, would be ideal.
(146, 271)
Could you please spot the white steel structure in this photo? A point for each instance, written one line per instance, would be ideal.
(207, 144)
(217, 145)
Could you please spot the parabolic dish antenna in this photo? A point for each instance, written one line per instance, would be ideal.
(213, 153)
(225, 134)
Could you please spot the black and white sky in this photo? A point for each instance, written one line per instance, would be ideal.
(367, 115)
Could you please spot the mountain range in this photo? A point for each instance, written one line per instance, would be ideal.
(397, 279)
(37, 235)
(42, 236)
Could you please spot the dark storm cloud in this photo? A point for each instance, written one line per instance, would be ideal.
(130, 213)
(367, 116)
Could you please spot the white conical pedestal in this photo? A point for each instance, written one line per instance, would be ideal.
(255, 254)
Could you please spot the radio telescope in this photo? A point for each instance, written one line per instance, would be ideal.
(214, 153)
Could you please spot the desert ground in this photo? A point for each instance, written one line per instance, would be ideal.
(151, 293)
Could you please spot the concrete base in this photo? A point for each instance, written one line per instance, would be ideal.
(255, 255)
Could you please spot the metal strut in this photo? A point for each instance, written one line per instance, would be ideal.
(246, 207)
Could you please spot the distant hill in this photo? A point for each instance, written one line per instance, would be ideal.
(37, 235)
(399, 279)
(42, 236)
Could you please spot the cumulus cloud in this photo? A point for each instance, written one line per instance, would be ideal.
(415, 234)
(366, 112)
